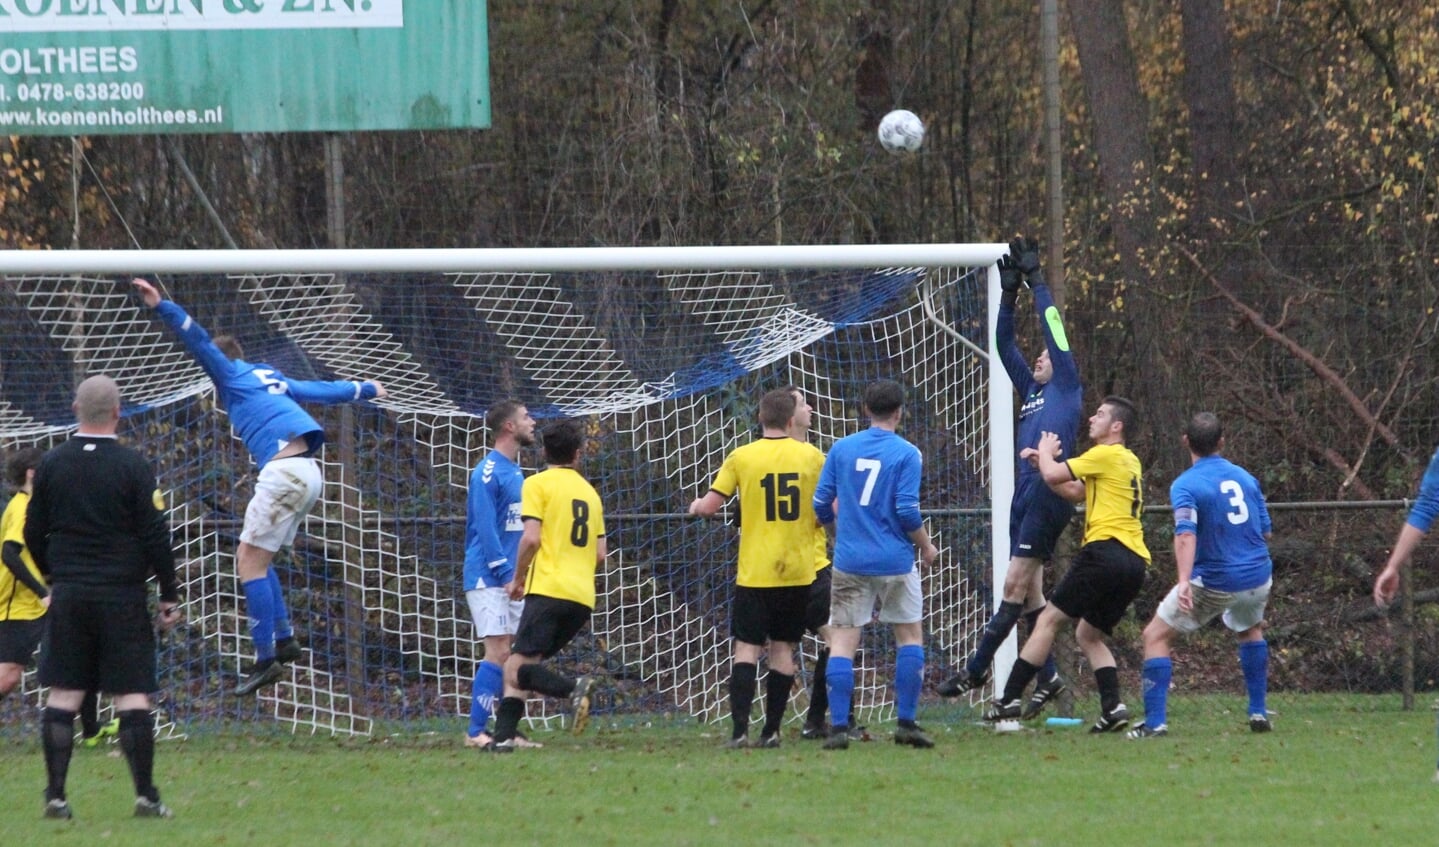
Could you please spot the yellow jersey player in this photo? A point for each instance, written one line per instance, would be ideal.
(562, 546)
(1107, 572)
(24, 597)
(774, 478)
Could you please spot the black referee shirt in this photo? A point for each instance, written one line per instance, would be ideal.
(96, 519)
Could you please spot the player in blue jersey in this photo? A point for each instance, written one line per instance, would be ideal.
(1053, 402)
(1421, 517)
(1221, 526)
(264, 409)
(492, 541)
(868, 493)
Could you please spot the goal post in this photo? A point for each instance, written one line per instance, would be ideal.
(664, 353)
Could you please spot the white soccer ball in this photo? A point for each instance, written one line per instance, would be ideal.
(901, 131)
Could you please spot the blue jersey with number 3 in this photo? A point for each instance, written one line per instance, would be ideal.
(261, 402)
(871, 479)
(1222, 506)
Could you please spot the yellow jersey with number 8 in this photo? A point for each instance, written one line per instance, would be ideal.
(571, 524)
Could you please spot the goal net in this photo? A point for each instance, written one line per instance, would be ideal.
(664, 354)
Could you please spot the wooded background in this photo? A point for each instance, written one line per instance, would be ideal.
(1249, 206)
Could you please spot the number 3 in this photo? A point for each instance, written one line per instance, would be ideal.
(1240, 514)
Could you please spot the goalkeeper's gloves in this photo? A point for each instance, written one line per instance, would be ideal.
(1010, 280)
(1026, 255)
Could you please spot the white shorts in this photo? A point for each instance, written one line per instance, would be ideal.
(1241, 609)
(284, 494)
(852, 598)
(493, 612)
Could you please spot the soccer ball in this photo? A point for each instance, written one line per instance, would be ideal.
(901, 132)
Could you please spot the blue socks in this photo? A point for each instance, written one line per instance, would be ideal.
(995, 631)
(484, 694)
(1254, 661)
(908, 679)
(1157, 674)
(839, 679)
(282, 612)
(260, 608)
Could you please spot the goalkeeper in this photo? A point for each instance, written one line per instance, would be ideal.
(264, 409)
(1053, 402)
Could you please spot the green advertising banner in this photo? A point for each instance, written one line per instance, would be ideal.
(103, 67)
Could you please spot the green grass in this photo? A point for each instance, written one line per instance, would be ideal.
(1337, 770)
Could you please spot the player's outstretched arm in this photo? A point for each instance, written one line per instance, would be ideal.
(708, 505)
(1421, 518)
(1386, 585)
(1056, 474)
(148, 292)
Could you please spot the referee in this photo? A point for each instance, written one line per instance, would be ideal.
(97, 529)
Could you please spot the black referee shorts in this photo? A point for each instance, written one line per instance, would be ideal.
(98, 641)
(18, 640)
(1102, 580)
(547, 624)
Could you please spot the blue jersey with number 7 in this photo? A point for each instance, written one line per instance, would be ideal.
(1222, 505)
(869, 489)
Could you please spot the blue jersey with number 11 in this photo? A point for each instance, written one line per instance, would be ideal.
(1221, 504)
(872, 480)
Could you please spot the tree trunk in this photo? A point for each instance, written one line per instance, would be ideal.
(1209, 94)
(1126, 163)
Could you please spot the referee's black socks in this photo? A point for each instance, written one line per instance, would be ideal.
(57, 738)
(137, 739)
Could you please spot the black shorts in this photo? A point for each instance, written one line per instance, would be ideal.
(1037, 518)
(547, 624)
(816, 610)
(760, 615)
(18, 640)
(1101, 582)
(98, 641)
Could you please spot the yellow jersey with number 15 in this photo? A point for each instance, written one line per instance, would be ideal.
(1113, 495)
(571, 524)
(775, 478)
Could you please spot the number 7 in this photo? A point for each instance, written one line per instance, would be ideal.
(871, 468)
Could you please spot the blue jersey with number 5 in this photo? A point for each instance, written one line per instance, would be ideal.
(871, 479)
(1222, 506)
(261, 402)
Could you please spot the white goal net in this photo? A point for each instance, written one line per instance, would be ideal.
(664, 353)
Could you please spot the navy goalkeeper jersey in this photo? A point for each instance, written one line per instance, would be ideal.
(1056, 406)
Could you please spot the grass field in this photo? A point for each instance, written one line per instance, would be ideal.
(1337, 770)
